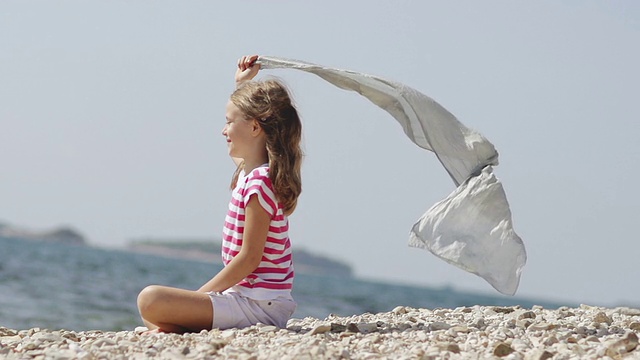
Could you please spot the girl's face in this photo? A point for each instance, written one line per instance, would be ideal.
(238, 131)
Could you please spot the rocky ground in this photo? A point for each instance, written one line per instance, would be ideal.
(478, 332)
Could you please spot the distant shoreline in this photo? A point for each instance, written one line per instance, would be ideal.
(159, 250)
(62, 234)
(209, 251)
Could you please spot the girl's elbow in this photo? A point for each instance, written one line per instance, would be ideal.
(254, 262)
(250, 261)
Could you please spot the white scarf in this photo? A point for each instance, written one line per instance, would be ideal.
(471, 228)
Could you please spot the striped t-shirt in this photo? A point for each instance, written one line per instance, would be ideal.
(274, 276)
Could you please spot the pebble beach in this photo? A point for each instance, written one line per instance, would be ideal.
(478, 332)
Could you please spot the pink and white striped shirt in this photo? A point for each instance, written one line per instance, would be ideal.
(274, 276)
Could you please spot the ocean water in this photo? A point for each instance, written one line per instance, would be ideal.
(57, 286)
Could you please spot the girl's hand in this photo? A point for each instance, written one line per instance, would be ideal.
(247, 68)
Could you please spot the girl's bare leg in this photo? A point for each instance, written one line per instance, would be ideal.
(175, 310)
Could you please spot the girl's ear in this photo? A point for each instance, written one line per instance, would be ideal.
(255, 127)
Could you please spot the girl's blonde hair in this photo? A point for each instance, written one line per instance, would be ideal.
(270, 104)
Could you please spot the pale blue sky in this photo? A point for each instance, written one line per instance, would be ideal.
(111, 113)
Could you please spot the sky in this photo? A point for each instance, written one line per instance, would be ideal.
(111, 115)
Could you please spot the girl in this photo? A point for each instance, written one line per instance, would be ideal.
(263, 133)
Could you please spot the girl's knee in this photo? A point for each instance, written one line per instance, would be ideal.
(148, 299)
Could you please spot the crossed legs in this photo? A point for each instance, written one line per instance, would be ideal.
(176, 310)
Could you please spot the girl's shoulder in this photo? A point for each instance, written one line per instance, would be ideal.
(260, 173)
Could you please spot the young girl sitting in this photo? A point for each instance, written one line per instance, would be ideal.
(263, 133)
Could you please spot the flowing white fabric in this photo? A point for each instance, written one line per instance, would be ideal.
(472, 227)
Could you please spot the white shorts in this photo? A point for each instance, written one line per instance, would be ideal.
(232, 310)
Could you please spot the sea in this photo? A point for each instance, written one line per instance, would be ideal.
(58, 286)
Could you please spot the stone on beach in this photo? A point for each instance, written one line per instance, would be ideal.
(404, 332)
